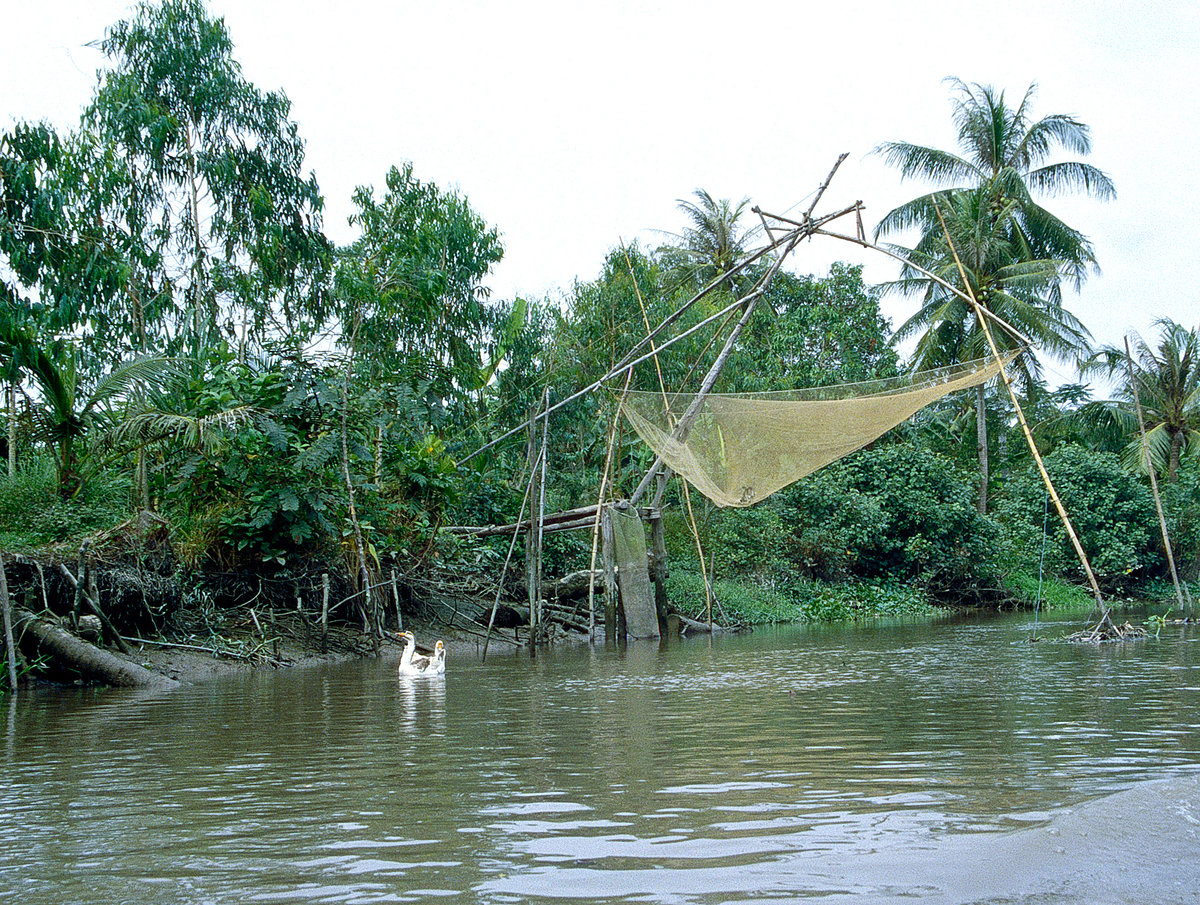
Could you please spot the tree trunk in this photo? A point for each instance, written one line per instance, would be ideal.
(1176, 455)
(6, 614)
(981, 444)
(12, 428)
(89, 660)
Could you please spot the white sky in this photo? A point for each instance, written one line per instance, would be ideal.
(571, 126)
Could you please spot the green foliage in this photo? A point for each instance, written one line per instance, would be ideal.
(986, 234)
(1111, 510)
(208, 185)
(814, 331)
(748, 602)
(409, 290)
(894, 511)
(1167, 385)
(1056, 594)
(33, 513)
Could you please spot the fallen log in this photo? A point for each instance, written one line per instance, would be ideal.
(91, 661)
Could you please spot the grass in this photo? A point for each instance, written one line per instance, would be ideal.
(33, 515)
(803, 601)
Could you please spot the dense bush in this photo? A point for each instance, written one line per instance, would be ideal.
(34, 514)
(1111, 510)
(898, 512)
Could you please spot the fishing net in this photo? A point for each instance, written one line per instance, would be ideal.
(742, 448)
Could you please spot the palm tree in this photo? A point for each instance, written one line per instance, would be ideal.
(712, 244)
(1168, 386)
(1016, 255)
(69, 408)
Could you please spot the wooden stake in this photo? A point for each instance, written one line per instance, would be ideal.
(324, 612)
(396, 601)
(90, 596)
(608, 456)
(1183, 595)
(504, 571)
(607, 551)
(6, 613)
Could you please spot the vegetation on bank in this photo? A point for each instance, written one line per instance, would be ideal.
(220, 407)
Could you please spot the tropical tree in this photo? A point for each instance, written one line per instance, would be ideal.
(1014, 253)
(207, 184)
(1167, 383)
(70, 407)
(711, 245)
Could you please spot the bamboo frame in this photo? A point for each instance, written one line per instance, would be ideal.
(1037, 456)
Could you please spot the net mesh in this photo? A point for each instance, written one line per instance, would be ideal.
(742, 448)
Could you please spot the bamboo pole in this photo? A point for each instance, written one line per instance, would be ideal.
(608, 455)
(532, 582)
(1181, 593)
(631, 359)
(396, 601)
(607, 550)
(504, 570)
(1037, 456)
(541, 529)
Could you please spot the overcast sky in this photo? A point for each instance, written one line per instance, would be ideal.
(574, 126)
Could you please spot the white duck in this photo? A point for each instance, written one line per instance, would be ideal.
(412, 663)
(438, 665)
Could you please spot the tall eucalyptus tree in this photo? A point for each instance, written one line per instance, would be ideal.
(208, 182)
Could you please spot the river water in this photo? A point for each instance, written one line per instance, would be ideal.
(949, 762)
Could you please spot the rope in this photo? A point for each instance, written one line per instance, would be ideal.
(1041, 567)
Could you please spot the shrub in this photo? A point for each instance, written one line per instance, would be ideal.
(1111, 510)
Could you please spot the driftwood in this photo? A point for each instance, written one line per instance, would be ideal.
(86, 590)
(572, 586)
(93, 662)
(694, 626)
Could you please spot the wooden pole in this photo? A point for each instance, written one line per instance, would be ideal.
(532, 579)
(1037, 456)
(90, 595)
(504, 571)
(324, 612)
(6, 613)
(608, 456)
(541, 535)
(608, 554)
(659, 570)
(1183, 595)
(396, 601)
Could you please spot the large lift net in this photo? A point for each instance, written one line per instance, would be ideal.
(739, 449)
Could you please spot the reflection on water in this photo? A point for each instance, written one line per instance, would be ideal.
(879, 761)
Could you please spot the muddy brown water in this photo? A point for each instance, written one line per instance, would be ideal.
(950, 762)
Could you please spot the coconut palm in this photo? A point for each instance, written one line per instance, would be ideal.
(1016, 255)
(712, 244)
(1168, 387)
